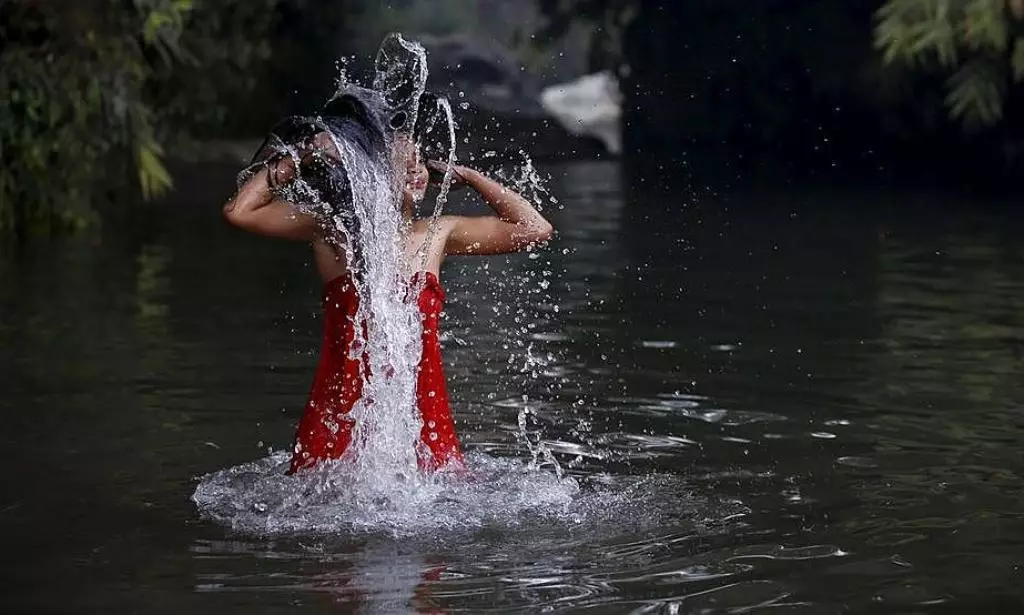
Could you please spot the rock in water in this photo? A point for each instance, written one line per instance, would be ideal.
(589, 106)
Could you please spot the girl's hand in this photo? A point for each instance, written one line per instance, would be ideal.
(281, 166)
(280, 170)
(437, 169)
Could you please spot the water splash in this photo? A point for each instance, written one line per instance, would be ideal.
(540, 454)
(432, 142)
(349, 173)
(531, 329)
(525, 179)
(350, 166)
(258, 498)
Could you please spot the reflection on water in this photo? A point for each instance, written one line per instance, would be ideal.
(379, 577)
(772, 401)
(944, 410)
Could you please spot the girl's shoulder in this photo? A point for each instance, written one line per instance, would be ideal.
(441, 226)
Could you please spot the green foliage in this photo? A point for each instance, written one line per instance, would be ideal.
(71, 96)
(91, 88)
(207, 87)
(977, 43)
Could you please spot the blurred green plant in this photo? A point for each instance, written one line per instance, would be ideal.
(980, 42)
(206, 86)
(91, 90)
(72, 102)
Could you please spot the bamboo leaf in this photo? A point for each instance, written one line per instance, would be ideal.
(975, 94)
(1017, 60)
(153, 176)
(985, 25)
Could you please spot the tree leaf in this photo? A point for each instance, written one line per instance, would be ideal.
(976, 94)
(153, 176)
(986, 25)
(1017, 60)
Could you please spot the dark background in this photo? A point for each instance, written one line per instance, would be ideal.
(781, 332)
(713, 91)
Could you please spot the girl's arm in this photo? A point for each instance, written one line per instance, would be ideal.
(516, 223)
(255, 209)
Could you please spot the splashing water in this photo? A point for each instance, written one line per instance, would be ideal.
(259, 498)
(349, 174)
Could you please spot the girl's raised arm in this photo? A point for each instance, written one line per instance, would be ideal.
(255, 208)
(516, 223)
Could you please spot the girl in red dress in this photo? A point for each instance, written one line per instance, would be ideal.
(325, 429)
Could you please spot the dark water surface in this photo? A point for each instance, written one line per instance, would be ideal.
(816, 394)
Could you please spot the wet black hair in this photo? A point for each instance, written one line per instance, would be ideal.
(430, 113)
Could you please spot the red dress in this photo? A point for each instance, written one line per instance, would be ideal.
(325, 430)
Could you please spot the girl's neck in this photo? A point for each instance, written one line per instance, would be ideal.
(407, 207)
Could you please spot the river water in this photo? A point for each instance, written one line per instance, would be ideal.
(783, 400)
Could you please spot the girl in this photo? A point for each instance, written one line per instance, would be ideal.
(325, 430)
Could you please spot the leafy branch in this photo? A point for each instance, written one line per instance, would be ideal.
(977, 43)
(92, 86)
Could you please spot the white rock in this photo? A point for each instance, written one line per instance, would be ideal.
(589, 106)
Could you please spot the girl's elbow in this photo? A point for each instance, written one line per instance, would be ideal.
(543, 232)
(235, 216)
(534, 236)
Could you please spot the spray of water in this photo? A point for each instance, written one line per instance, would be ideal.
(351, 177)
(370, 228)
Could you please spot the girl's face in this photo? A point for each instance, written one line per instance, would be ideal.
(416, 175)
